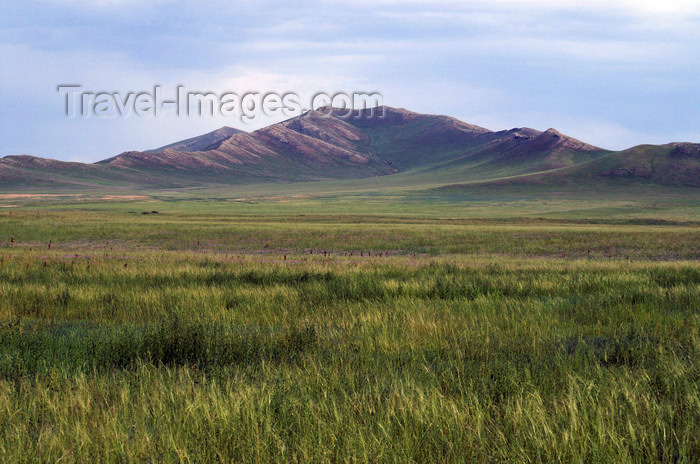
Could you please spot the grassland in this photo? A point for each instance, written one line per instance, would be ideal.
(219, 330)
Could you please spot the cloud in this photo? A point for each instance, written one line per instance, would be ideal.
(626, 65)
(650, 7)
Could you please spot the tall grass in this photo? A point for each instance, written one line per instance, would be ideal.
(234, 356)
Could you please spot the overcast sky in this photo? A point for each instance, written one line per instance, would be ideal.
(612, 73)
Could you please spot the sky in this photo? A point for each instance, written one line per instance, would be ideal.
(611, 73)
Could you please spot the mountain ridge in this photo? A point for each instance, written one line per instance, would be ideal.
(329, 143)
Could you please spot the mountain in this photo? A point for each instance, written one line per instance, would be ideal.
(332, 144)
(309, 147)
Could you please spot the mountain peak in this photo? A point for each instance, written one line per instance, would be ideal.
(552, 139)
(201, 142)
(371, 116)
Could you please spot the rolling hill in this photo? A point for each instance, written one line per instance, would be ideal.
(671, 165)
(329, 144)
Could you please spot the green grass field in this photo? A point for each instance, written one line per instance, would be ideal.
(432, 329)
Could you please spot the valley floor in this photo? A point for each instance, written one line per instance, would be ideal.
(203, 331)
